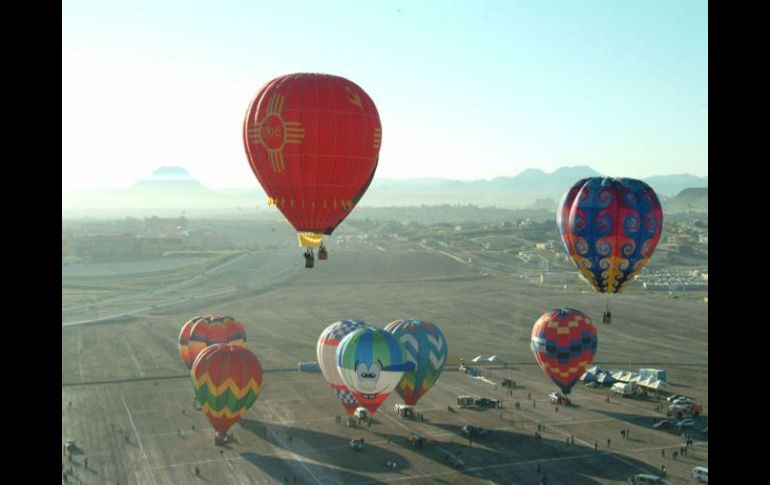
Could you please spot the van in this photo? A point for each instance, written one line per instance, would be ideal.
(701, 474)
(647, 479)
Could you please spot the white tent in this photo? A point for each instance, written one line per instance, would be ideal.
(646, 382)
(494, 359)
(478, 358)
(659, 384)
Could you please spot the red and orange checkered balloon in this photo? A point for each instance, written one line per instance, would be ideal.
(564, 342)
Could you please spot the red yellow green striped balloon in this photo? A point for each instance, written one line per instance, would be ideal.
(227, 380)
(215, 329)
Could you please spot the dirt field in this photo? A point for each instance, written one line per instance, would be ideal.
(131, 409)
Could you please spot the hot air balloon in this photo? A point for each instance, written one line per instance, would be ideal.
(426, 347)
(326, 351)
(313, 142)
(215, 329)
(371, 361)
(564, 342)
(227, 380)
(610, 228)
(184, 339)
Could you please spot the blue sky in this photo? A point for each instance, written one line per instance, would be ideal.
(465, 89)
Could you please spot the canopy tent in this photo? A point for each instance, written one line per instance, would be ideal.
(605, 379)
(478, 358)
(656, 384)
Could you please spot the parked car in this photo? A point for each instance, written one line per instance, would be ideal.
(701, 474)
(357, 444)
(558, 398)
(672, 397)
(686, 423)
(683, 400)
(474, 432)
(647, 478)
(486, 402)
(664, 424)
(69, 446)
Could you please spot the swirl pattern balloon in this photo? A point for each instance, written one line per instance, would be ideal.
(215, 329)
(371, 362)
(227, 380)
(610, 228)
(326, 352)
(184, 341)
(564, 342)
(426, 347)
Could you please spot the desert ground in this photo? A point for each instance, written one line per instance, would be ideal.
(127, 397)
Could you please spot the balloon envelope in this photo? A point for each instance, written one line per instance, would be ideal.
(215, 329)
(313, 142)
(371, 361)
(610, 228)
(227, 380)
(426, 347)
(564, 342)
(184, 341)
(326, 352)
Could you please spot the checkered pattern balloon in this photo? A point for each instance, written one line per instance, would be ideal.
(564, 342)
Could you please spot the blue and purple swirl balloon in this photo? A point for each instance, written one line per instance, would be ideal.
(610, 228)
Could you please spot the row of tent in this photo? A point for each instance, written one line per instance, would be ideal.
(492, 360)
(604, 377)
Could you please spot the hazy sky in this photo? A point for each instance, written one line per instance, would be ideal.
(465, 89)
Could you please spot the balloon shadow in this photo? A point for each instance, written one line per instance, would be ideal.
(326, 447)
(500, 453)
(648, 421)
(278, 469)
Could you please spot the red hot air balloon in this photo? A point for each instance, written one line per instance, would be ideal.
(214, 329)
(227, 380)
(564, 342)
(313, 142)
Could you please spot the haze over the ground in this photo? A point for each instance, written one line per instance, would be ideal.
(175, 189)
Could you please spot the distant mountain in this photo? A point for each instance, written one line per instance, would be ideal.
(169, 180)
(174, 189)
(693, 199)
(168, 191)
(513, 192)
(670, 185)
